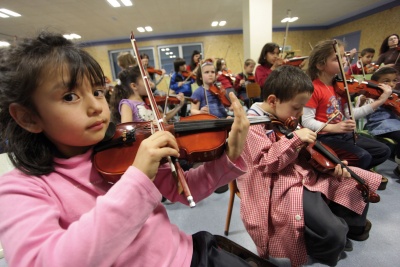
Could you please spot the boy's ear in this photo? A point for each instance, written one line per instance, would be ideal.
(25, 118)
(271, 100)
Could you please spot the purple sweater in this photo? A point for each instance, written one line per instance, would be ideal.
(71, 217)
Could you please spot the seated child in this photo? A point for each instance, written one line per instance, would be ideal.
(55, 208)
(289, 208)
(367, 55)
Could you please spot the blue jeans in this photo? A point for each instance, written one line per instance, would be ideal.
(366, 154)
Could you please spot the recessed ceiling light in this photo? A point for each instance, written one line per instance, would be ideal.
(114, 3)
(127, 2)
(9, 12)
(214, 24)
(222, 23)
(141, 29)
(148, 28)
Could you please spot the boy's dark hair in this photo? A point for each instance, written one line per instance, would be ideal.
(23, 68)
(383, 71)
(321, 51)
(177, 63)
(367, 50)
(268, 47)
(123, 90)
(286, 82)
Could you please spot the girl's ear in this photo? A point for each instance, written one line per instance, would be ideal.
(25, 118)
(133, 86)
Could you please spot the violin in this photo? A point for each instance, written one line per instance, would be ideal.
(369, 89)
(228, 73)
(219, 91)
(322, 157)
(251, 78)
(152, 70)
(370, 68)
(295, 61)
(200, 138)
(172, 99)
(186, 74)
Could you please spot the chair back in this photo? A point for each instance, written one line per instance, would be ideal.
(253, 90)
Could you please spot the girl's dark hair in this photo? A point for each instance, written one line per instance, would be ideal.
(320, 53)
(193, 64)
(23, 67)
(123, 90)
(218, 64)
(268, 47)
(286, 82)
(177, 63)
(384, 46)
(382, 71)
(144, 55)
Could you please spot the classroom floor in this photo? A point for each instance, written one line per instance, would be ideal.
(381, 249)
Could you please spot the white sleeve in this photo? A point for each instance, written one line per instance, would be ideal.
(308, 119)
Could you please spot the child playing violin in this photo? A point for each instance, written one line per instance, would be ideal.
(384, 122)
(180, 84)
(365, 62)
(269, 60)
(194, 61)
(128, 99)
(225, 76)
(243, 79)
(151, 72)
(323, 66)
(290, 209)
(208, 102)
(64, 214)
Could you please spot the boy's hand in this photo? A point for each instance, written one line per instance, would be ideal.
(159, 145)
(306, 135)
(238, 133)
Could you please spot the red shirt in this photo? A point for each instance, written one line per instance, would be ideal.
(262, 73)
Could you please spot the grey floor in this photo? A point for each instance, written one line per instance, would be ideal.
(381, 249)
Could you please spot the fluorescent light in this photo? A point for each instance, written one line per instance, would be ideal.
(9, 12)
(72, 36)
(222, 23)
(214, 24)
(293, 19)
(114, 3)
(148, 28)
(2, 44)
(3, 15)
(141, 29)
(288, 19)
(285, 20)
(127, 2)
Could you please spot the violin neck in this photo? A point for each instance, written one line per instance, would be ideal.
(217, 124)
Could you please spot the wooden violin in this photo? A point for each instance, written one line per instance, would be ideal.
(369, 89)
(171, 99)
(295, 61)
(219, 91)
(321, 157)
(152, 70)
(228, 73)
(186, 74)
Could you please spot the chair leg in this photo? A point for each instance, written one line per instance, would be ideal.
(230, 207)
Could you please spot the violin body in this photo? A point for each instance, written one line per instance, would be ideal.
(172, 99)
(186, 74)
(295, 61)
(228, 73)
(220, 92)
(369, 89)
(153, 70)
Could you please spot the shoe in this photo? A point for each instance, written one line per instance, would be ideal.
(364, 235)
(166, 201)
(222, 189)
(349, 245)
(383, 184)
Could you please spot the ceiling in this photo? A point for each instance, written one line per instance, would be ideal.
(97, 21)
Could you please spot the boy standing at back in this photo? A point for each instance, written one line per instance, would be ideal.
(283, 198)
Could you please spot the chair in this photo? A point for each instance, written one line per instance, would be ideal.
(233, 190)
(253, 90)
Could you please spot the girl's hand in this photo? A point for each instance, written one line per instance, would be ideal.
(340, 172)
(159, 145)
(306, 135)
(238, 133)
(387, 91)
(204, 110)
(181, 98)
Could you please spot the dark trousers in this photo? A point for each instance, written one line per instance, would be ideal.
(325, 233)
(396, 137)
(366, 154)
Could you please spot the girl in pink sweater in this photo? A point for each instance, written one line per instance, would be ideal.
(55, 208)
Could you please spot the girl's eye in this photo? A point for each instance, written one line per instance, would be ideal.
(70, 97)
(99, 93)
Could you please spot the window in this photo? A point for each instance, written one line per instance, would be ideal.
(113, 55)
(168, 54)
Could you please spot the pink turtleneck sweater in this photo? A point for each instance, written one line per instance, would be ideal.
(71, 217)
